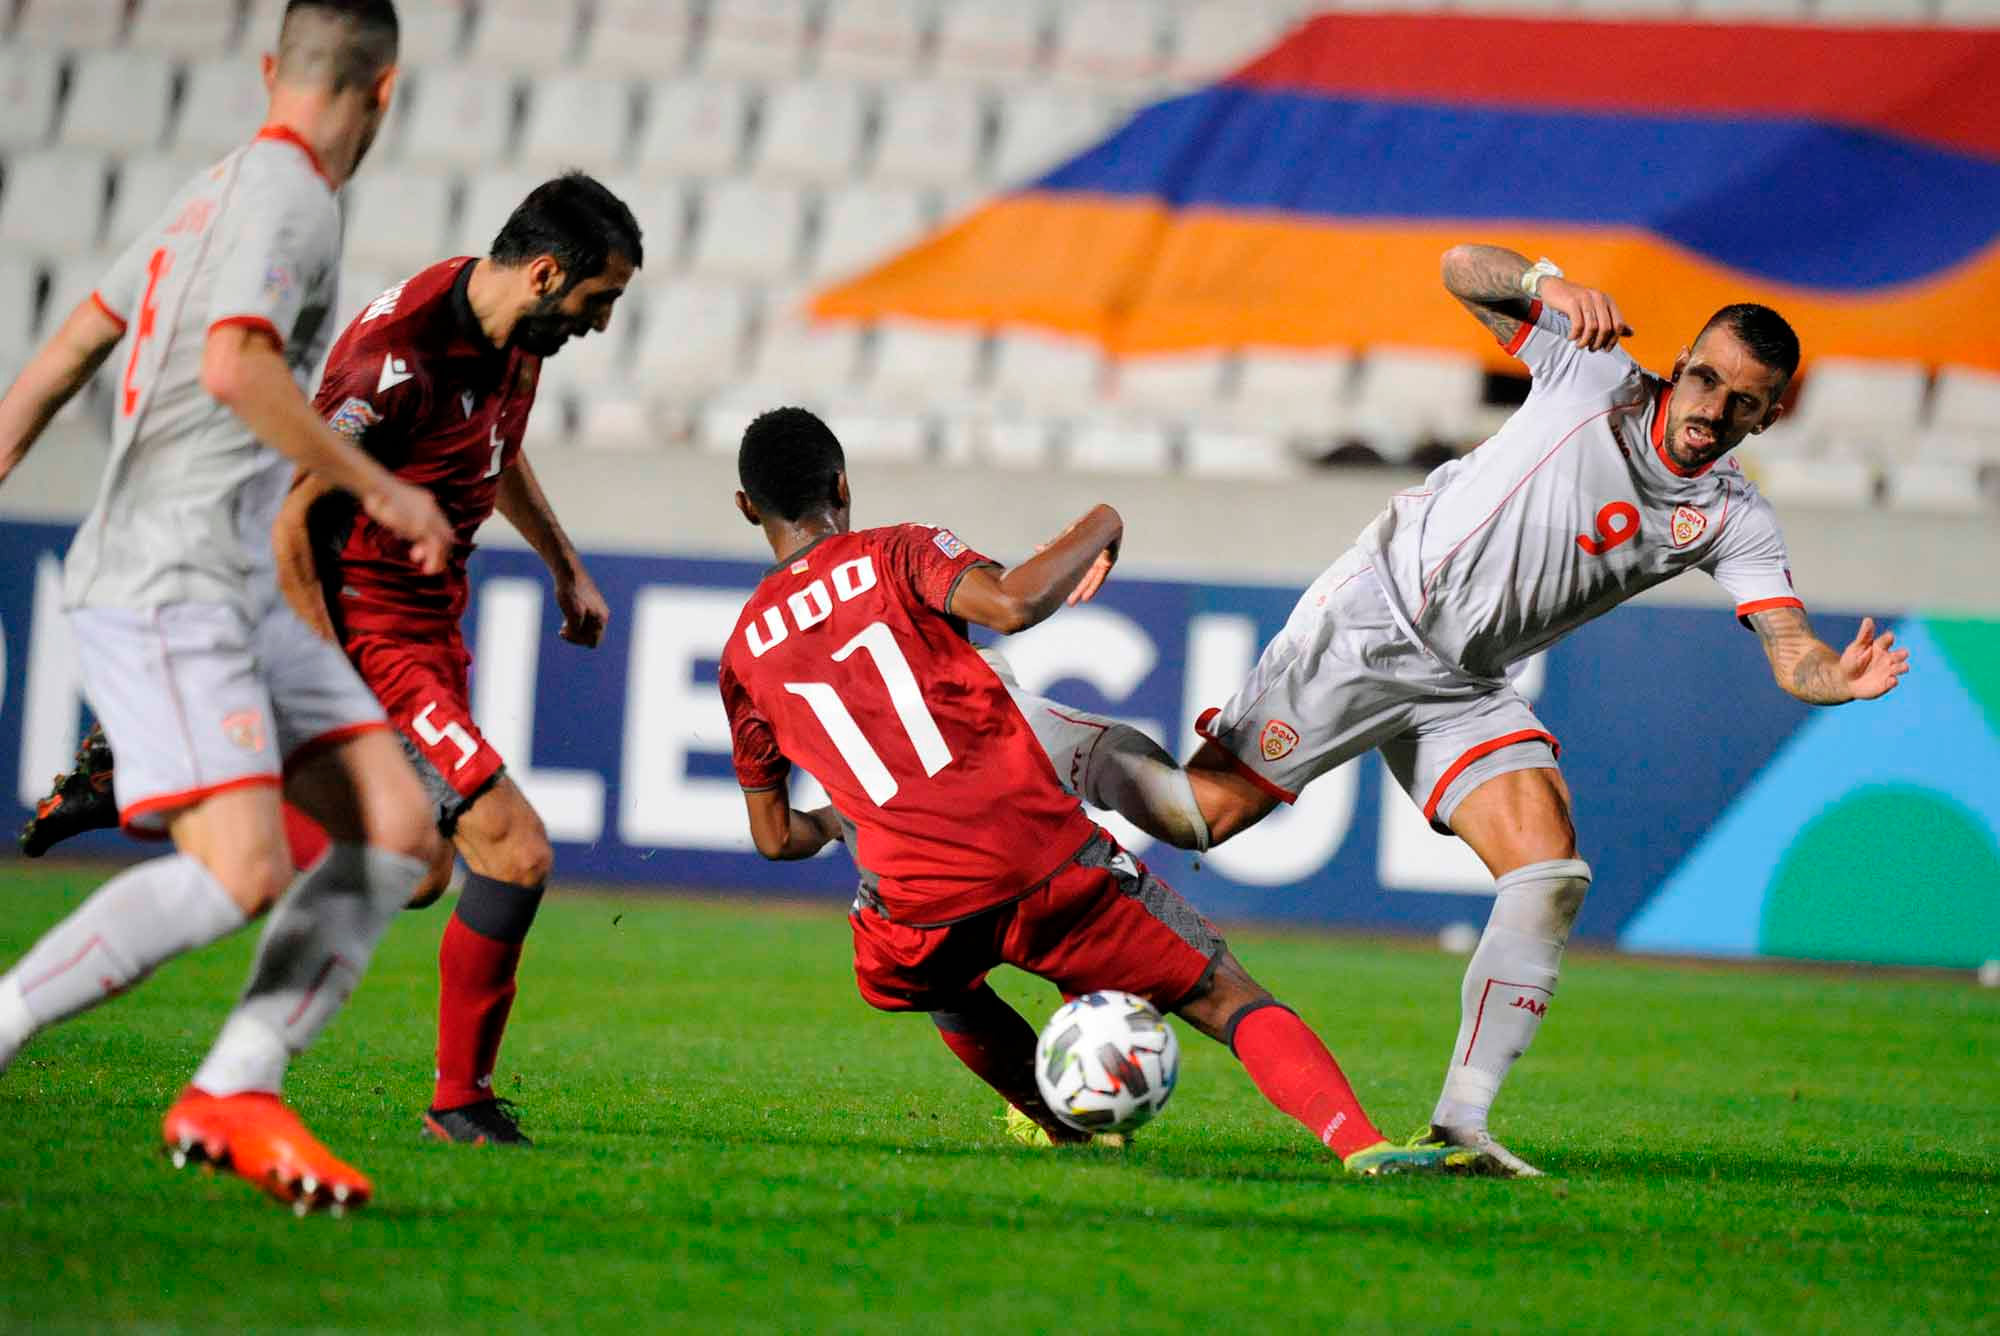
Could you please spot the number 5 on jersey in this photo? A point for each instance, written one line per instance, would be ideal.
(453, 731)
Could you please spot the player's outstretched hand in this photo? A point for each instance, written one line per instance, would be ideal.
(412, 514)
(1871, 664)
(1093, 579)
(585, 613)
(1595, 322)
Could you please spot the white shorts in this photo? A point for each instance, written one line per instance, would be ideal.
(195, 700)
(1342, 678)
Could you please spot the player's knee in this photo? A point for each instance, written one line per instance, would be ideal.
(405, 829)
(436, 879)
(254, 877)
(528, 860)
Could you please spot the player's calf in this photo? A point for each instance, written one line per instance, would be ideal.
(997, 1044)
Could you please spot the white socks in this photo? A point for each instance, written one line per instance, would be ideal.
(314, 950)
(1508, 985)
(136, 922)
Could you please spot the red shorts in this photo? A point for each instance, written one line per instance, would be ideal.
(1101, 921)
(424, 686)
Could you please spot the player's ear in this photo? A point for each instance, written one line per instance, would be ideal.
(748, 508)
(1681, 364)
(385, 87)
(841, 496)
(1777, 411)
(545, 276)
(270, 72)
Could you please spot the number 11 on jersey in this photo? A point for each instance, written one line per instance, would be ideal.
(905, 697)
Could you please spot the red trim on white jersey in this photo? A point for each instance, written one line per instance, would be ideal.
(186, 798)
(97, 300)
(285, 134)
(1201, 727)
(1512, 347)
(1751, 609)
(256, 322)
(1472, 754)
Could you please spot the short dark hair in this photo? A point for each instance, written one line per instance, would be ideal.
(789, 463)
(367, 46)
(577, 221)
(1761, 330)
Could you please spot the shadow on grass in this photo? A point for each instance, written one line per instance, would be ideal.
(1826, 1171)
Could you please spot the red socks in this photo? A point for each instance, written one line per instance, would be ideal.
(1293, 1069)
(993, 1040)
(476, 964)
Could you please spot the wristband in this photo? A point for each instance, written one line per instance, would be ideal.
(1532, 276)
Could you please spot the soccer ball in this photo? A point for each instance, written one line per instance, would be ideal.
(1107, 1062)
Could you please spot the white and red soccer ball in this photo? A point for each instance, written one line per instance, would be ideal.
(1107, 1062)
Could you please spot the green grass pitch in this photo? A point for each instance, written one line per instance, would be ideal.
(731, 1141)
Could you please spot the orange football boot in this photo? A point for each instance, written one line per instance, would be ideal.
(254, 1136)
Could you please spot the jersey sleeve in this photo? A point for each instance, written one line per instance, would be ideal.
(927, 563)
(1749, 559)
(372, 396)
(752, 745)
(1543, 345)
(271, 246)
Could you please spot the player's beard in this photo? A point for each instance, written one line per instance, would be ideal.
(544, 329)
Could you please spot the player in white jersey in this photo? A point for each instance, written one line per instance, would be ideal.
(1607, 481)
(212, 691)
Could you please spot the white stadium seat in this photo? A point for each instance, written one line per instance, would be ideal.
(812, 132)
(758, 39)
(931, 134)
(360, 285)
(489, 198)
(1647, 9)
(1120, 447)
(1732, 11)
(989, 42)
(77, 24)
(1935, 486)
(860, 225)
(1832, 481)
(1870, 406)
(691, 343)
(1169, 385)
(53, 203)
(29, 79)
(926, 365)
(72, 281)
(577, 120)
(197, 29)
(1046, 372)
(1524, 7)
(118, 100)
(1872, 11)
(872, 39)
(694, 127)
(19, 284)
(660, 208)
(527, 36)
(1041, 128)
(396, 219)
(1966, 399)
(807, 359)
(456, 116)
(615, 420)
(1286, 390)
(865, 431)
(1010, 441)
(1213, 37)
(1406, 397)
(1107, 44)
(1969, 13)
(433, 33)
(647, 38)
(221, 108)
(597, 361)
(1218, 453)
(747, 231)
(145, 186)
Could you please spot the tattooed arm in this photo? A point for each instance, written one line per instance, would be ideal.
(1808, 668)
(1487, 282)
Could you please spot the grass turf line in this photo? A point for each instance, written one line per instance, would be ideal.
(730, 1137)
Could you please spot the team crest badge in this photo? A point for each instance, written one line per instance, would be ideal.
(353, 418)
(1278, 740)
(244, 729)
(1688, 525)
(949, 544)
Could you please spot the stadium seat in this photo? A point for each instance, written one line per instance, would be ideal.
(1046, 372)
(1521, 7)
(526, 36)
(456, 116)
(71, 280)
(1040, 128)
(597, 362)
(433, 33)
(1835, 481)
(1969, 13)
(622, 420)
(1872, 11)
(931, 134)
(1172, 386)
(756, 39)
(1404, 398)
(221, 107)
(359, 285)
(988, 42)
(747, 231)
(808, 360)
(1213, 37)
(53, 202)
(118, 100)
(551, 424)
(691, 339)
(660, 208)
(694, 127)
(489, 198)
(812, 132)
(1867, 405)
(191, 29)
(1732, 11)
(29, 79)
(396, 219)
(1108, 45)
(19, 286)
(859, 225)
(1119, 447)
(1612, 9)
(1937, 486)
(577, 120)
(80, 25)
(1965, 417)
(872, 39)
(144, 188)
(866, 431)
(1216, 453)
(1284, 390)
(926, 365)
(1010, 442)
(647, 38)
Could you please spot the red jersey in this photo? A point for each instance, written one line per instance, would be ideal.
(847, 662)
(416, 382)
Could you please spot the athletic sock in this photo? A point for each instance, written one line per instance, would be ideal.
(477, 961)
(314, 949)
(1508, 985)
(1294, 1070)
(998, 1045)
(136, 922)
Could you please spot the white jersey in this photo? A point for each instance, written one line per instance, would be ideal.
(1570, 509)
(185, 509)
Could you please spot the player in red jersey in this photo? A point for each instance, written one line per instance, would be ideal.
(851, 660)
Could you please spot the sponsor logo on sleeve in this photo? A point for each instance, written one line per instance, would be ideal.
(1277, 740)
(1688, 525)
(353, 418)
(394, 372)
(244, 729)
(278, 282)
(949, 544)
